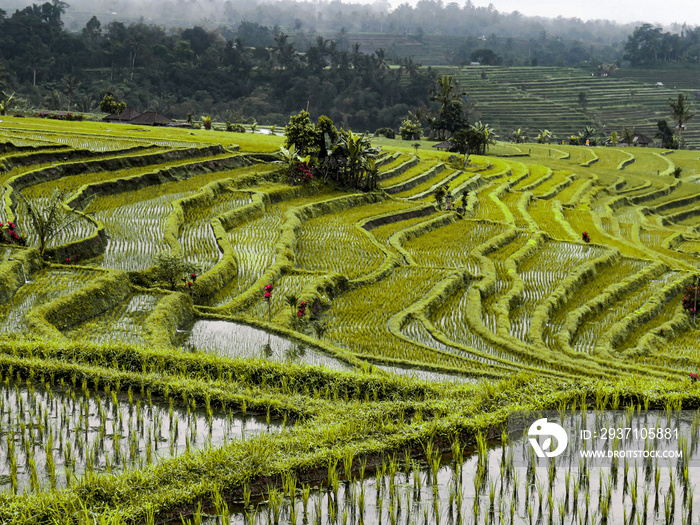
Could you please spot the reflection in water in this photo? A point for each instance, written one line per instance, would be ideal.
(54, 436)
(236, 340)
(501, 482)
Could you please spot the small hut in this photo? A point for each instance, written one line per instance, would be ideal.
(445, 146)
(638, 140)
(151, 118)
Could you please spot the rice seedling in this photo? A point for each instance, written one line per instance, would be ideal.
(122, 323)
(254, 244)
(45, 285)
(541, 274)
(197, 237)
(335, 243)
(591, 329)
(68, 434)
(451, 245)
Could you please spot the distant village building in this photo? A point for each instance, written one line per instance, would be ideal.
(445, 146)
(638, 140)
(131, 116)
(124, 116)
(151, 118)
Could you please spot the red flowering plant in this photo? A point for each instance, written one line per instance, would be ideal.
(268, 298)
(694, 378)
(301, 173)
(189, 281)
(691, 299)
(301, 319)
(9, 235)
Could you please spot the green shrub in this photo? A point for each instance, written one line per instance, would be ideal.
(385, 132)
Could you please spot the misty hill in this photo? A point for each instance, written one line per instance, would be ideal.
(427, 17)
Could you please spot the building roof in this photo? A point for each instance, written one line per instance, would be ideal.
(151, 118)
(446, 145)
(125, 116)
(638, 139)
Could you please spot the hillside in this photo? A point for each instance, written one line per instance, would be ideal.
(394, 332)
(548, 98)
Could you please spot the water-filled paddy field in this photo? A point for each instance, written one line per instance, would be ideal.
(419, 324)
(502, 481)
(239, 341)
(54, 435)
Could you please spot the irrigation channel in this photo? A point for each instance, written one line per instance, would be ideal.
(500, 481)
(52, 435)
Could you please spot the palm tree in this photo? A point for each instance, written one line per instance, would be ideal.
(70, 87)
(410, 66)
(381, 58)
(360, 158)
(680, 111)
(446, 91)
(483, 131)
(628, 135)
(283, 49)
(137, 44)
(586, 134)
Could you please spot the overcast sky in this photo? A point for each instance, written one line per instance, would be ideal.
(623, 11)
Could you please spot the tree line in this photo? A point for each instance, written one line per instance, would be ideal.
(648, 44)
(261, 74)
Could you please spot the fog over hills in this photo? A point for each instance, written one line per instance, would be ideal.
(426, 16)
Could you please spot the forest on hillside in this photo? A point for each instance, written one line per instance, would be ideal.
(360, 65)
(177, 72)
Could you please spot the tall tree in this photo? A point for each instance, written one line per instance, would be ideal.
(451, 113)
(680, 111)
(446, 91)
(70, 87)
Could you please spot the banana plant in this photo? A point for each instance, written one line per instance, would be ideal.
(291, 158)
(360, 156)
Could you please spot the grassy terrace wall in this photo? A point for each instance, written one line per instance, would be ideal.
(504, 304)
(14, 272)
(95, 243)
(47, 320)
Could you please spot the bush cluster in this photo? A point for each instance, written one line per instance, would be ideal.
(61, 116)
(385, 132)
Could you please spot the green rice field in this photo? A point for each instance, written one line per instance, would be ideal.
(374, 383)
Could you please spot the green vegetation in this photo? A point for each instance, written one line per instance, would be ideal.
(311, 303)
(537, 99)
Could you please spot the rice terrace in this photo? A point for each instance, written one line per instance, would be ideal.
(214, 336)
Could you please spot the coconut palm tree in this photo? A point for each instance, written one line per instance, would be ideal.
(680, 111)
(446, 91)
